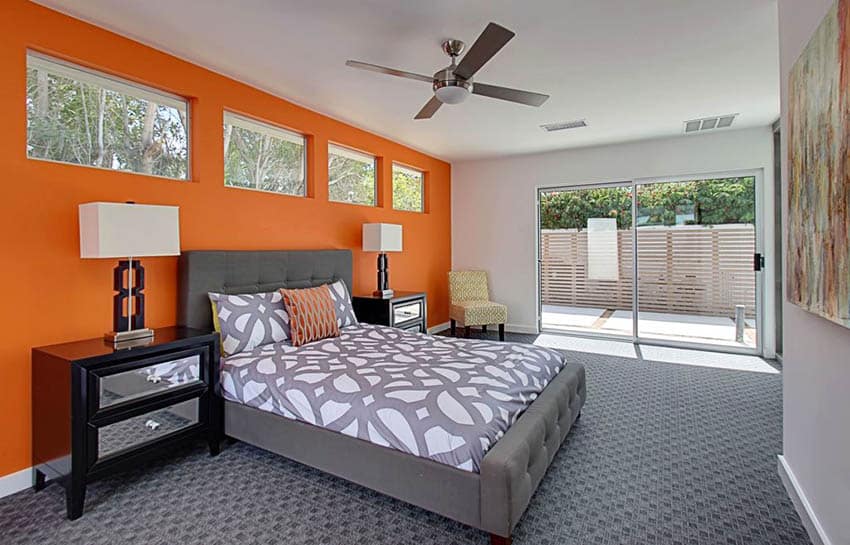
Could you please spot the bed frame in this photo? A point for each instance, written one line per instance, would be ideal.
(492, 500)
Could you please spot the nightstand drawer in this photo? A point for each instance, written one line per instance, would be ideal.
(407, 312)
(129, 434)
(417, 327)
(145, 378)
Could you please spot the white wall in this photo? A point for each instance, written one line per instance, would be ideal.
(493, 203)
(816, 363)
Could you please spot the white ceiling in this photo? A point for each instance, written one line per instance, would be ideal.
(634, 69)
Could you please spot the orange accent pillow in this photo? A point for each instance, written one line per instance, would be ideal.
(311, 313)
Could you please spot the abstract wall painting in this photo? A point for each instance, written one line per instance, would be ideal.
(818, 260)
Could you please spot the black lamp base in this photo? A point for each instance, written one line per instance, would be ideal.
(383, 278)
(128, 281)
(128, 306)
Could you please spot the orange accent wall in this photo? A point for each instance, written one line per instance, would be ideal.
(50, 295)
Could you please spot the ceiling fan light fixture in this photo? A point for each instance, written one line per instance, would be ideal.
(452, 91)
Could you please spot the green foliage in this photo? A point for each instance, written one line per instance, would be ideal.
(407, 190)
(259, 161)
(350, 180)
(85, 124)
(704, 202)
(571, 209)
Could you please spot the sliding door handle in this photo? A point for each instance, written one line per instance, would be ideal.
(758, 262)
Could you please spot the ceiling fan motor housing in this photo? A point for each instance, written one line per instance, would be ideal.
(450, 89)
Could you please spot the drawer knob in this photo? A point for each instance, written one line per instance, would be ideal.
(153, 379)
(152, 425)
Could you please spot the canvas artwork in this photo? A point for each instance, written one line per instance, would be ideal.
(818, 261)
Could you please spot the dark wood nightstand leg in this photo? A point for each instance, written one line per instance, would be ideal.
(501, 332)
(216, 433)
(39, 480)
(484, 328)
(466, 331)
(454, 328)
(75, 498)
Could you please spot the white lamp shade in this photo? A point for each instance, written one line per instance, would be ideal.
(381, 237)
(110, 229)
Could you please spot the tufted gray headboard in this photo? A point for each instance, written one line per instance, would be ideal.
(237, 271)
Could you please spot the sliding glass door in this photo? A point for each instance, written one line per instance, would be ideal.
(586, 267)
(692, 245)
(695, 248)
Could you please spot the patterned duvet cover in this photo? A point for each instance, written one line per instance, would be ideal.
(441, 398)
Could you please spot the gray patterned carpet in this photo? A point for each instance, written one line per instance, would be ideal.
(663, 454)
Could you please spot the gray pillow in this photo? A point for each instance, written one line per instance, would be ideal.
(248, 320)
(342, 304)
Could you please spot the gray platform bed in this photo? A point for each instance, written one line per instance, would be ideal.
(492, 500)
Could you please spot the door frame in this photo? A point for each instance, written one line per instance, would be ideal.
(757, 174)
(538, 262)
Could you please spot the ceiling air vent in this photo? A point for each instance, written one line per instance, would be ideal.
(564, 125)
(709, 123)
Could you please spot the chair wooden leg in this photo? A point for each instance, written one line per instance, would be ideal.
(466, 331)
(484, 328)
(454, 328)
(500, 540)
(501, 332)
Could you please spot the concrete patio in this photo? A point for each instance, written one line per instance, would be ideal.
(678, 327)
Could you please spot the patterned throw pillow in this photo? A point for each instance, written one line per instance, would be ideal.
(248, 320)
(342, 304)
(312, 315)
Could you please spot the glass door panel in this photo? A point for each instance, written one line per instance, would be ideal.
(695, 247)
(585, 260)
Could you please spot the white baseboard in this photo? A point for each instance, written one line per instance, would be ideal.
(801, 504)
(15, 482)
(511, 328)
(437, 328)
(521, 328)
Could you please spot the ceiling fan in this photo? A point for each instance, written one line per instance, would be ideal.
(454, 83)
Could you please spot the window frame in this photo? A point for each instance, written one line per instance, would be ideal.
(111, 82)
(409, 170)
(274, 131)
(356, 155)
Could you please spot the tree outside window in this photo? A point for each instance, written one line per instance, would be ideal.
(77, 116)
(263, 157)
(408, 185)
(351, 176)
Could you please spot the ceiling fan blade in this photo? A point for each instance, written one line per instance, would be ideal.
(429, 109)
(506, 93)
(488, 44)
(389, 71)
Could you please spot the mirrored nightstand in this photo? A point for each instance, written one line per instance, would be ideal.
(99, 410)
(406, 310)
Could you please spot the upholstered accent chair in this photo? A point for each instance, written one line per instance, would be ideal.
(471, 305)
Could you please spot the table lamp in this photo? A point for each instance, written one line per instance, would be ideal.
(382, 238)
(128, 231)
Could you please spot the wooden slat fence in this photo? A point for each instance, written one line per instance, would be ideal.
(682, 270)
